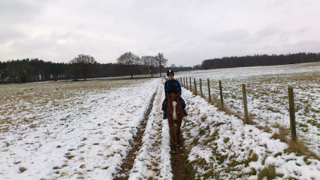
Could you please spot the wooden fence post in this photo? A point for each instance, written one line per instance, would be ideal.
(244, 94)
(186, 83)
(190, 83)
(209, 91)
(221, 95)
(201, 88)
(195, 86)
(292, 114)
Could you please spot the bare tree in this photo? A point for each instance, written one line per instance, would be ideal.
(161, 61)
(150, 62)
(130, 60)
(83, 65)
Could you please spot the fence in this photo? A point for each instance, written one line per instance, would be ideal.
(187, 83)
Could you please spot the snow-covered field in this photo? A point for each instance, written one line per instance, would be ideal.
(267, 95)
(84, 130)
(69, 130)
(222, 147)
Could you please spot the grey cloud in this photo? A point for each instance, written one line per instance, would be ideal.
(267, 32)
(305, 46)
(232, 36)
(186, 32)
(9, 34)
(19, 11)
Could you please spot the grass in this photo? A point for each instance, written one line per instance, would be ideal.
(22, 169)
(269, 94)
(268, 173)
(33, 100)
(267, 98)
(298, 147)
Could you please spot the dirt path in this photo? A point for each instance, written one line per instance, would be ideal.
(150, 156)
(179, 166)
(136, 144)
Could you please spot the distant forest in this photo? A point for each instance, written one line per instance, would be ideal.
(81, 67)
(30, 70)
(128, 64)
(260, 60)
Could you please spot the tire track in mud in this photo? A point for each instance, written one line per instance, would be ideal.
(149, 164)
(150, 156)
(180, 166)
(128, 162)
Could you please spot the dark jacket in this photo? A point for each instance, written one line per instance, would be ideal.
(172, 86)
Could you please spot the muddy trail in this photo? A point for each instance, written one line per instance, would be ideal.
(136, 144)
(150, 156)
(180, 166)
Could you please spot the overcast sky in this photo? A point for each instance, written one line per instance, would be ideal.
(186, 31)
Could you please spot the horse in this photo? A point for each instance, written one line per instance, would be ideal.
(175, 114)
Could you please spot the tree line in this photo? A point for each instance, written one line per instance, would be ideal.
(81, 67)
(260, 60)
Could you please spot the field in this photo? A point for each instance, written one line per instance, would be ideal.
(267, 95)
(87, 129)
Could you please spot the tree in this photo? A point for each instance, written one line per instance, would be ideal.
(3, 71)
(161, 61)
(150, 62)
(83, 65)
(129, 60)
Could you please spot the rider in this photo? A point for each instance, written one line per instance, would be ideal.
(172, 86)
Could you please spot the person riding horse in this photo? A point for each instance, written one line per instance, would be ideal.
(172, 86)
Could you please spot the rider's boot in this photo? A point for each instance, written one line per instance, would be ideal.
(165, 115)
(185, 112)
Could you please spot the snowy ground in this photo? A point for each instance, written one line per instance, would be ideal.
(267, 95)
(83, 130)
(222, 147)
(153, 159)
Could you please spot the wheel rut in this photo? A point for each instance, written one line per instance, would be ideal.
(136, 144)
(153, 151)
(179, 165)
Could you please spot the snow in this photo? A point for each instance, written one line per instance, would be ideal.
(242, 139)
(87, 140)
(153, 153)
(267, 95)
(83, 130)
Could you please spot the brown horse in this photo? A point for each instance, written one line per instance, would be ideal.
(175, 115)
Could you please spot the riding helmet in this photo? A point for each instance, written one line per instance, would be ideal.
(170, 72)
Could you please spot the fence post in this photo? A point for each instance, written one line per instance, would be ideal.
(209, 91)
(244, 93)
(187, 86)
(292, 114)
(195, 86)
(221, 95)
(201, 88)
(190, 83)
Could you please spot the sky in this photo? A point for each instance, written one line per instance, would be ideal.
(186, 32)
